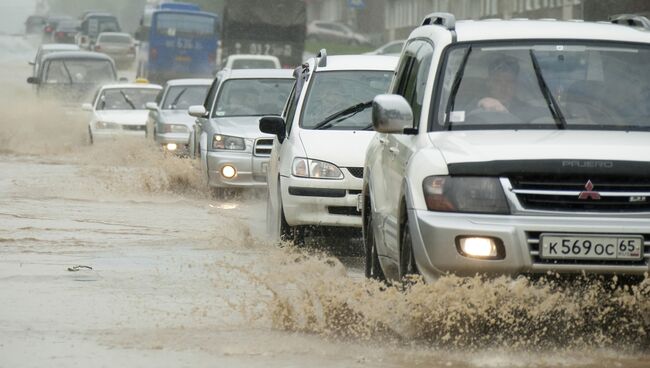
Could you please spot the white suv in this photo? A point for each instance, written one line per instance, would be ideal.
(512, 147)
(316, 165)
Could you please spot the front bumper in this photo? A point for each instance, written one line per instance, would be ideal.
(434, 243)
(321, 202)
(178, 138)
(108, 134)
(251, 170)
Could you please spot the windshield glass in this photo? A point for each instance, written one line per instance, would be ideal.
(253, 64)
(252, 97)
(173, 25)
(568, 85)
(126, 98)
(182, 97)
(78, 71)
(333, 92)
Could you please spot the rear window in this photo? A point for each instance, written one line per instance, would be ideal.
(253, 64)
(114, 39)
(173, 25)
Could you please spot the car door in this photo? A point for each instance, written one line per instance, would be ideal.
(199, 122)
(398, 148)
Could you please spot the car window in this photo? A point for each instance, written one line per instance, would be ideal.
(252, 97)
(212, 95)
(74, 71)
(253, 64)
(292, 104)
(125, 98)
(115, 39)
(421, 54)
(393, 49)
(182, 97)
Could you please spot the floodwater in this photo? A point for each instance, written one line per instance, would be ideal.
(172, 277)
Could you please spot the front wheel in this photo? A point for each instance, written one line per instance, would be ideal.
(373, 267)
(407, 266)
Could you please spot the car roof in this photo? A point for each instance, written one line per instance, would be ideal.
(255, 73)
(114, 34)
(77, 55)
(491, 30)
(190, 82)
(59, 46)
(358, 62)
(131, 85)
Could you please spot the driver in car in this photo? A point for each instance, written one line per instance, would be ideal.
(503, 73)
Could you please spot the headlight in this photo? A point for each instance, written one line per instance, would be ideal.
(465, 194)
(306, 168)
(226, 142)
(107, 125)
(174, 128)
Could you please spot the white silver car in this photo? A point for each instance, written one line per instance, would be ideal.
(120, 110)
(316, 167)
(169, 124)
(512, 147)
(246, 61)
(233, 151)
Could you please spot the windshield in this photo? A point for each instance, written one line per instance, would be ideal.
(333, 92)
(252, 97)
(182, 97)
(253, 64)
(533, 86)
(176, 24)
(126, 98)
(78, 71)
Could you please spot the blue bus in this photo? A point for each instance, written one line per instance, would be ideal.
(177, 40)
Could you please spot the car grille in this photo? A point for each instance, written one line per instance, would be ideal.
(134, 127)
(562, 193)
(533, 245)
(263, 147)
(343, 210)
(357, 172)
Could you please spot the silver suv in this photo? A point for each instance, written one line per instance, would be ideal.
(512, 147)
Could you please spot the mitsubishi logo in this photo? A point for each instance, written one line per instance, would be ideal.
(589, 192)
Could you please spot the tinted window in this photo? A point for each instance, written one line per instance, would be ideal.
(126, 98)
(174, 25)
(78, 71)
(253, 64)
(182, 97)
(253, 97)
(115, 39)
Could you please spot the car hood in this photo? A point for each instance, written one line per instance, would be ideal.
(484, 146)
(177, 117)
(240, 126)
(125, 117)
(344, 148)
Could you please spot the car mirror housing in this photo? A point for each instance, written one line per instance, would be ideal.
(392, 114)
(273, 125)
(151, 106)
(198, 111)
(87, 107)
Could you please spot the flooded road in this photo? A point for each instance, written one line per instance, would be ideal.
(169, 276)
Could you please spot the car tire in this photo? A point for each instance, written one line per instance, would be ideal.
(373, 267)
(407, 265)
(90, 136)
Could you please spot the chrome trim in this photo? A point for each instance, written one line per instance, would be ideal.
(577, 193)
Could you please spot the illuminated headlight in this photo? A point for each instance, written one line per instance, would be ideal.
(480, 247)
(174, 128)
(171, 146)
(315, 169)
(226, 142)
(465, 194)
(228, 171)
(107, 125)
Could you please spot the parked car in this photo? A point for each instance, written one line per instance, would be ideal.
(48, 49)
(120, 110)
(511, 147)
(316, 166)
(169, 124)
(72, 75)
(242, 61)
(319, 31)
(393, 48)
(66, 31)
(233, 151)
(34, 24)
(119, 46)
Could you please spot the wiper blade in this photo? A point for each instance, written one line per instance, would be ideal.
(556, 112)
(454, 89)
(178, 98)
(67, 71)
(126, 98)
(342, 115)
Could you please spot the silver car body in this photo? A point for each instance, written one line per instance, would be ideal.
(251, 163)
(334, 32)
(117, 45)
(49, 48)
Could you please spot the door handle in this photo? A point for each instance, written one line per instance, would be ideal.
(394, 150)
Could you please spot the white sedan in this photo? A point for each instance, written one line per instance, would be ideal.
(120, 110)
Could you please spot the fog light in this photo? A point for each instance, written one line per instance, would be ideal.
(228, 172)
(480, 247)
(171, 146)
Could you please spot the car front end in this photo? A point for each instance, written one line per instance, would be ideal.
(109, 125)
(172, 131)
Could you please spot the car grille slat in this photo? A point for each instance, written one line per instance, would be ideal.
(263, 147)
(357, 172)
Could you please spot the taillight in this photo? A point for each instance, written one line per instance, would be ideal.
(48, 29)
(153, 53)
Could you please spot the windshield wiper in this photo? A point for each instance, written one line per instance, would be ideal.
(344, 114)
(126, 98)
(173, 104)
(556, 112)
(454, 89)
(67, 71)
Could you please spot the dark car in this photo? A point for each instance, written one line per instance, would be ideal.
(93, 25)
(34, 24)
(72, 76)
(66, 31)
(50, 26)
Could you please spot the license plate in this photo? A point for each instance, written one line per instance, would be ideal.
(594, 247)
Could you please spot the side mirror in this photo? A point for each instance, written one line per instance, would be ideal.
(87, 107)
(274, 125)
(198, 111)
(33, 80)
(32, 63)
(391, 114)
(151, 106)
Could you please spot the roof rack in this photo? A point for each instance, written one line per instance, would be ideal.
(322, 55)
(632, 20)
(446, 20)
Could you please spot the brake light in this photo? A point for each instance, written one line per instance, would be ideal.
(48, 29)
(153, 53)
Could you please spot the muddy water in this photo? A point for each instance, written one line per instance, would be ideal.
(180, 279)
